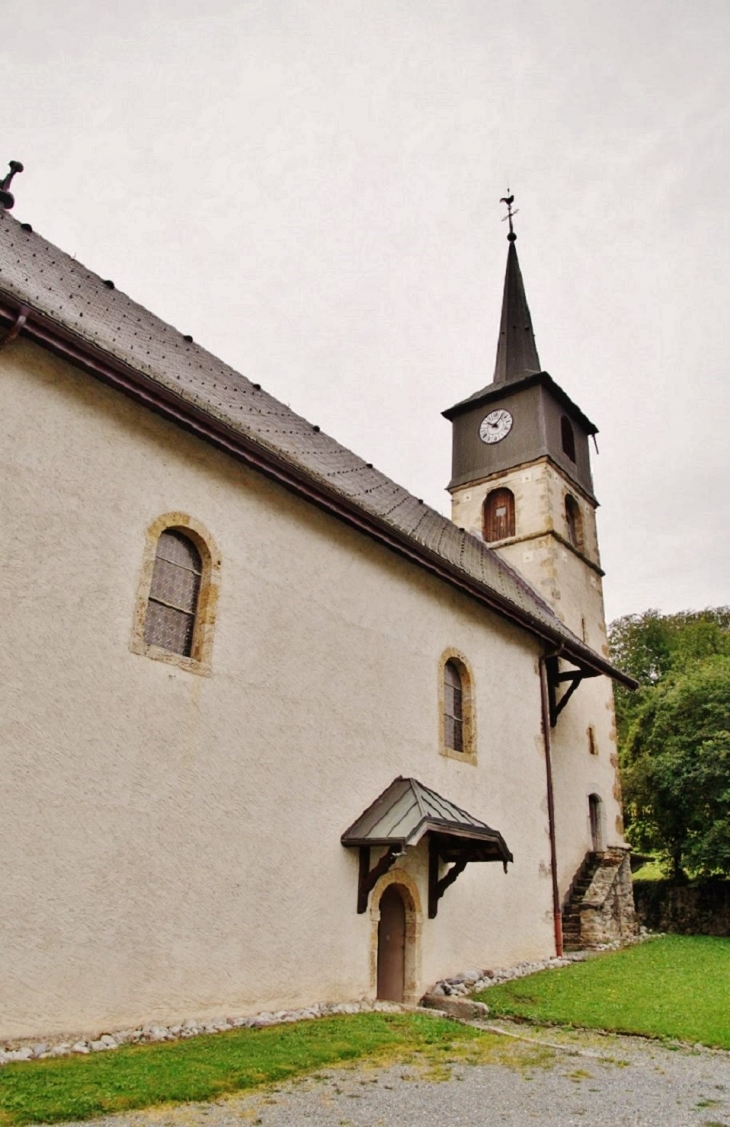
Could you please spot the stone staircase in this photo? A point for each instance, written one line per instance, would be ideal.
(572, 904)
(599, 907)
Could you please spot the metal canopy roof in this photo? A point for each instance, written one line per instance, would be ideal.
(407, 810)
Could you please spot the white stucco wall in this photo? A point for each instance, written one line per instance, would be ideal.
(171, 841)
(573, 588)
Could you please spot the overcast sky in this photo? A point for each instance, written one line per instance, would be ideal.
(311, 188)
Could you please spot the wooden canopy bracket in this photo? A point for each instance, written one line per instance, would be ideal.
(437, 886)
(368, 878)
(457, 852)
(556, 678)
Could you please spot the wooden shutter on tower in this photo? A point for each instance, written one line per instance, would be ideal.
(499, 515)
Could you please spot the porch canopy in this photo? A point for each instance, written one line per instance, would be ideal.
(400, 817)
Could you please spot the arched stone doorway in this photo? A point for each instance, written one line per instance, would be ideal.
(395, 911)
(391, 945)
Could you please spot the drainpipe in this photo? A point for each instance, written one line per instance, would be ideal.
(557, 914)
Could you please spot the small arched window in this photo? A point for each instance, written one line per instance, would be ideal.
(573, 522)
(456, 703)
(499, 515)
(568, 437)
(173, 599)
(453, 707)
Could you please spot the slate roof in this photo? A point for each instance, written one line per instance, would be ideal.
(407, 810)
(66, 298)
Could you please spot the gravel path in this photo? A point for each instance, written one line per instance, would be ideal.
(553, 1078)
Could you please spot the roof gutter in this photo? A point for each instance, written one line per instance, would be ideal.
(146, 391)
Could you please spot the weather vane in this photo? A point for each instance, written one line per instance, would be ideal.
(7, 198)
(509, 200)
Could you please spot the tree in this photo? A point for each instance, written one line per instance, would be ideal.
(676, 768)
(651, 646)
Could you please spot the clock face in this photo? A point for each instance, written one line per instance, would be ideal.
(495, 426)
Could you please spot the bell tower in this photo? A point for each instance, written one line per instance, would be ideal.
(521, 474)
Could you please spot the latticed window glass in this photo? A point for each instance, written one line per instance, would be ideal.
(453, 708)
(173, 599)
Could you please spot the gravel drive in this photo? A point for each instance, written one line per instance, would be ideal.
(550, 1077)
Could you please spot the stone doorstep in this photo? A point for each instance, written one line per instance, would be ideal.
(464, 1009)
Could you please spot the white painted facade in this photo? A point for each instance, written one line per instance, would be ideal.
(170, 838)
(585, 757)
(170, 825)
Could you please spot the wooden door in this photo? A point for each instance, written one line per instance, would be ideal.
(391, 945)
(594, 808)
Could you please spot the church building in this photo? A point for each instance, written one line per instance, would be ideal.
(274, 732)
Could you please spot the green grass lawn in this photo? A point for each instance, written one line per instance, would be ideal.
(675, 986)
(205, 1068)
(672, 986)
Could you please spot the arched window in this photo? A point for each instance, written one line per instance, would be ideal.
(595, 819)
(453, 708)
(177, 594)
(573, 522)
(456, 703)
(173, 600)
(568, 437)
(499, 515)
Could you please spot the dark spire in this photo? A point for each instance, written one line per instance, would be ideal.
(516, 349)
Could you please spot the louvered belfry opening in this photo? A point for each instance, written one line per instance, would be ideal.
(573, 521)
(173, 599)
(453, 707)
(499, 515)
(568, 437)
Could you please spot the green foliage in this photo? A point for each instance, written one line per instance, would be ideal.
(206, 1068)
(676, 770)
(672, 986)
(651, 646)
(674, 736)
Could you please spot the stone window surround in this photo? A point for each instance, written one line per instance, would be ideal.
(469, 754)
(200, 659)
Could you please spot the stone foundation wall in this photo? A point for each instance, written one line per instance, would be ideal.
(689, 909)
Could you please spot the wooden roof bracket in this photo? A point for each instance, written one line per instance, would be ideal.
(367, 878)
(555, 678)
(437, 886)
(15, 329)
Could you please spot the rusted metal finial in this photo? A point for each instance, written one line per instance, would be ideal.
(7, 199)
(509, 200)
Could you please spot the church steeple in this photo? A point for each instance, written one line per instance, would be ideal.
(516, 350)
(523, 415)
